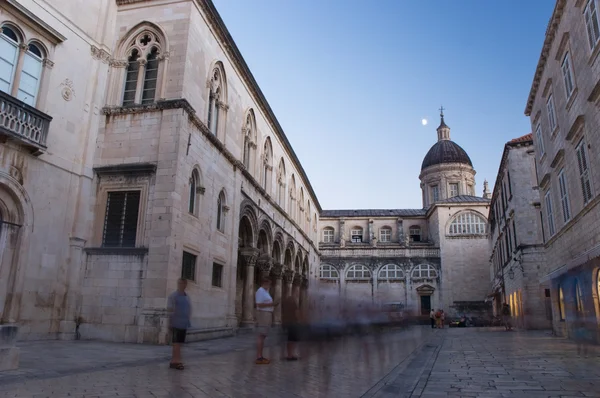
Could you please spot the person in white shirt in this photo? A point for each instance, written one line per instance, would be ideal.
(264, 318)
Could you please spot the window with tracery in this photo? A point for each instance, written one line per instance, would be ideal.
(216, 98)
(328, 272)
(249, 134)
(426, 271)
(292, 198)
(468, 224)
(195, 191)
(391, 272)
(281, 178)
(221, 208)
(358, 273)
(267, 165)
(141, 77)
(20, 66)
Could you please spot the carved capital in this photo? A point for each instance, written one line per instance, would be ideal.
(23, 47)
(142, 61)
(200, 190)
(277, 270)
(48, 64)
(100, 54)
(249, 255)
(264, 262)
(118, 63)
(221, 105)
(288, 275)
(164, 56)
(297, 280)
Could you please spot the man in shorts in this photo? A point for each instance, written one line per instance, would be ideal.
(264, 318)
(180, 310)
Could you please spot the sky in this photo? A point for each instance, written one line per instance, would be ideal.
(350, 82)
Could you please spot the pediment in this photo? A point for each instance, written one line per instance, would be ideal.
(425, 290)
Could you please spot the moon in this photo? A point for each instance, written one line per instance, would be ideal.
(424, 122)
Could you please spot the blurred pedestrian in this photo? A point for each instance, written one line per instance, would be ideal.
(432, 317)
(180, 310)
(506, 317)
(290, 321)
(264, 318)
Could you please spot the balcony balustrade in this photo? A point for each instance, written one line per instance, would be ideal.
(23, 123)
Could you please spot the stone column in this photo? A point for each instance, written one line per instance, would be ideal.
(296, 290)
(288, 277)
(370, 231)
(277, 274)
(249, 255)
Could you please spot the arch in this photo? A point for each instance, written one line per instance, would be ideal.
(298, 262)
(579, 310)
(267, 167)
(16, 29)
(301, 208)
(249, 139)
(358, 272)
(265, 237)
(390, 272)
(328, 272)
(292, 198)
(130, 39)
(195, 190)
(305, 266)
(42, 47)
(277, 252)
(307, 218)
(217, 97)
(281, 182)
(288, 261)
(424, 271)
(328, 235)
(467, 222)
(385, 234)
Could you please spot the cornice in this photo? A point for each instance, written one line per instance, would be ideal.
(545, 53)
(126, 2)
(225, 37)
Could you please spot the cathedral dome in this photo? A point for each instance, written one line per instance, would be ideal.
(445, 151)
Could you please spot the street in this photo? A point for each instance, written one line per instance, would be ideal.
(415, 362)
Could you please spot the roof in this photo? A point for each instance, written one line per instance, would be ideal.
(548, 40)
(525, 138)
(464, 199)
(445, 151)
(374, 213)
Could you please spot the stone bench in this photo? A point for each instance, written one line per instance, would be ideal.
(208, 334)
(9, 353)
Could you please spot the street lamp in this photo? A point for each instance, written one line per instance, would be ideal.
(511, 274)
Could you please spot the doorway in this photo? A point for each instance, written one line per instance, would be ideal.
(425, 305)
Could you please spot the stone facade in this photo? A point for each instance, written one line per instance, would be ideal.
(174, 166)
(434, 257)
(516, 244)
(563, 107)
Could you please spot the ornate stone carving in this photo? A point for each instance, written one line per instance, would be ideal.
(164, 56)
(297, 280)
(68, 92)
(250, 255)
(264, 263)
(277, 270)
(100, 54)
(288, 275)
(118, 63)
(48, 64)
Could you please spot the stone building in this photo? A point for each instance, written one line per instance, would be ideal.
(563, 107)
(433, 257)
(516, 244)
(138, 148)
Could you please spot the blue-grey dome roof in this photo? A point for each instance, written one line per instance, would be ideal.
(445, 151)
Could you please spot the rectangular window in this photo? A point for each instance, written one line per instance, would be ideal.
(584, 172)
(564, 196)
(551, 114)
(568, 75)
(415, 234)
(453, 189)
(8, 60)
(385, 235)
(121, 220)
(356, 235)
(217, 275)
(188, 267)
(328, 235)
(539, 139)
(550, 215)
(591, 22)
(30, 79)
(435, 193)
(471, 190)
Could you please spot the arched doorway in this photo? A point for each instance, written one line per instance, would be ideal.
(245, 240)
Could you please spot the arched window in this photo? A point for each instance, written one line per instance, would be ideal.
(221, 209)
(425, 271)
(141, 77)
(301, 208)
(195, 190)
(281, 179)
(468, 224)
(292, 198)
(307, 218)
(391, 272)
(415, 233)
(328, 234)
(328, 272)
(385, 235)
(249, 140)
(216, 98)
(30, 73)
(356, 235)
(578, 298)
(267, 165)
(358, 273)
(561, 304)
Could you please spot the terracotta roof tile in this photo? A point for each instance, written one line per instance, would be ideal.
(525, 138)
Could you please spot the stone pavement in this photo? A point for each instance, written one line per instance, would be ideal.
(416, 362)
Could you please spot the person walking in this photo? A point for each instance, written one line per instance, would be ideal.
(432, 317)
(264, 318)
(506, 317)
(180, 310)
(443, 318)
(291, 324)
(438, 319)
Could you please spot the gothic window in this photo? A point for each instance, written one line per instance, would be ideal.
(221, 207)
(390, 272)
(356, 235)
(281, 178)
(216, 98)
(328, 272)
(307, 225)
(301, 207)
(468, 224)
(425, 271)
(328, 235)
(195, 191)
(141, 77)
(415, 233)
(292, 198)
(249, 140)
(267, 165)
(358, 273)
(385, 235)
(20, 66)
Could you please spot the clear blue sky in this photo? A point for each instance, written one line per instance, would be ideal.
(350, 81)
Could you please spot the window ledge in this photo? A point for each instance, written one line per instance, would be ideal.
(117, 251)
(594, 54)
(554, 133)
(571, 99)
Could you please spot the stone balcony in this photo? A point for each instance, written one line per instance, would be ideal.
(369, 251)
(23, 123)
